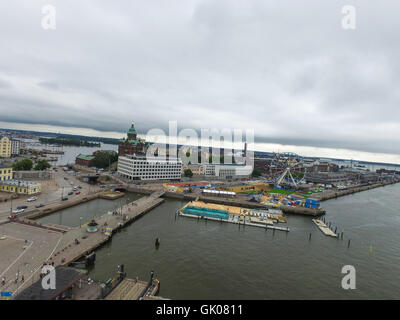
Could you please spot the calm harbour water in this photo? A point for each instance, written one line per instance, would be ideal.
(70, 152)
(199, 260)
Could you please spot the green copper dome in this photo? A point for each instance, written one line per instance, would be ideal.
(132, 129)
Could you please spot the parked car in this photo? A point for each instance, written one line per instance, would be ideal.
(80, 187)
(64, 199)
(32, 199)
(70, 193)
(39, 205)
(78, 192)
(18, 211)
(65, 178)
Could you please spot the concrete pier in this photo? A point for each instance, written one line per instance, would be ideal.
(75, 243)
(342, 193)
(324, 228)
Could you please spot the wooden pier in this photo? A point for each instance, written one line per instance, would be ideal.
(324, 228)
(128, 289)
(90, 241)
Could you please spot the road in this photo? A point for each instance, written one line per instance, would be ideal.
(52, 192)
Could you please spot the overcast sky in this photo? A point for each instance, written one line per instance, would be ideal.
(286, 69)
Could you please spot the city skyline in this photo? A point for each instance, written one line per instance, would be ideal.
(301, 150)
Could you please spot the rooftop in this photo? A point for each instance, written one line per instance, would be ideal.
(85, 157)
(20, 183)
(65, 278)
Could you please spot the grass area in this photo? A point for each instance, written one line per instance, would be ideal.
(281, 191)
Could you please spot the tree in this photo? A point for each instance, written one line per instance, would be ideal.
(23, 165)
(256, 173)
(188, 173)
(42, 165)
(104, 158)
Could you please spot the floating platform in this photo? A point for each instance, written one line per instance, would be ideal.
(237, 219)
(324, 228)
(111, 195)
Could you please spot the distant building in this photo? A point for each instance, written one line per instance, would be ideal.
(15, 147)
(5, 147)
(321, 166)
(146, 168)
(228, 172)
(334, 178)
(84, 160)
(197, 169)
(6, 172)
(132, 145)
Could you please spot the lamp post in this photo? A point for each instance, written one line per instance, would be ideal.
(80, 222)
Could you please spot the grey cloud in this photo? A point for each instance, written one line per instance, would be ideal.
(285, 68)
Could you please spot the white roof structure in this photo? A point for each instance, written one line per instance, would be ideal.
(219, 192)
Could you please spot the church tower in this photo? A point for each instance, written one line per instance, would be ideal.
(132, 132)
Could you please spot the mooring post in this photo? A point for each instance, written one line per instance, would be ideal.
(348, 244)
(309, 237)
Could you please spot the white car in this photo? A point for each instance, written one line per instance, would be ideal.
(32, 199)
(18, 211)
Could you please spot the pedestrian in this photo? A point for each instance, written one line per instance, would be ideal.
(3, 281)
(22, 279)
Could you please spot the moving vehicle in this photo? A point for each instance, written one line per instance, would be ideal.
(78, 192)
(39, 205)
(22, 207)
(64, 199)
(70, 193)
(18, 211)
(32, 199)
(13, 216)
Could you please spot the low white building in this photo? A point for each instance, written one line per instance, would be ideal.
(149, 168)
(228, 172)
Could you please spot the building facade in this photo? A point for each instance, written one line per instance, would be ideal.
(5, 147)
(197, 169)
(143, 168)
(6, 173)
(15, 147)
(132, 145)
(20, 187)
(228, 172)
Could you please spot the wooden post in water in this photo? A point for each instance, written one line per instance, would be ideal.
(309, 237)
(348, 244)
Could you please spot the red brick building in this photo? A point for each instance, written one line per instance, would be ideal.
(131, 144)
(84, 160)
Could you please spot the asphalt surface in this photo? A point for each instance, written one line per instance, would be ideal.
(61, 185)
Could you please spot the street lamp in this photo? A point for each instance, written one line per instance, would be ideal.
(80, 222)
